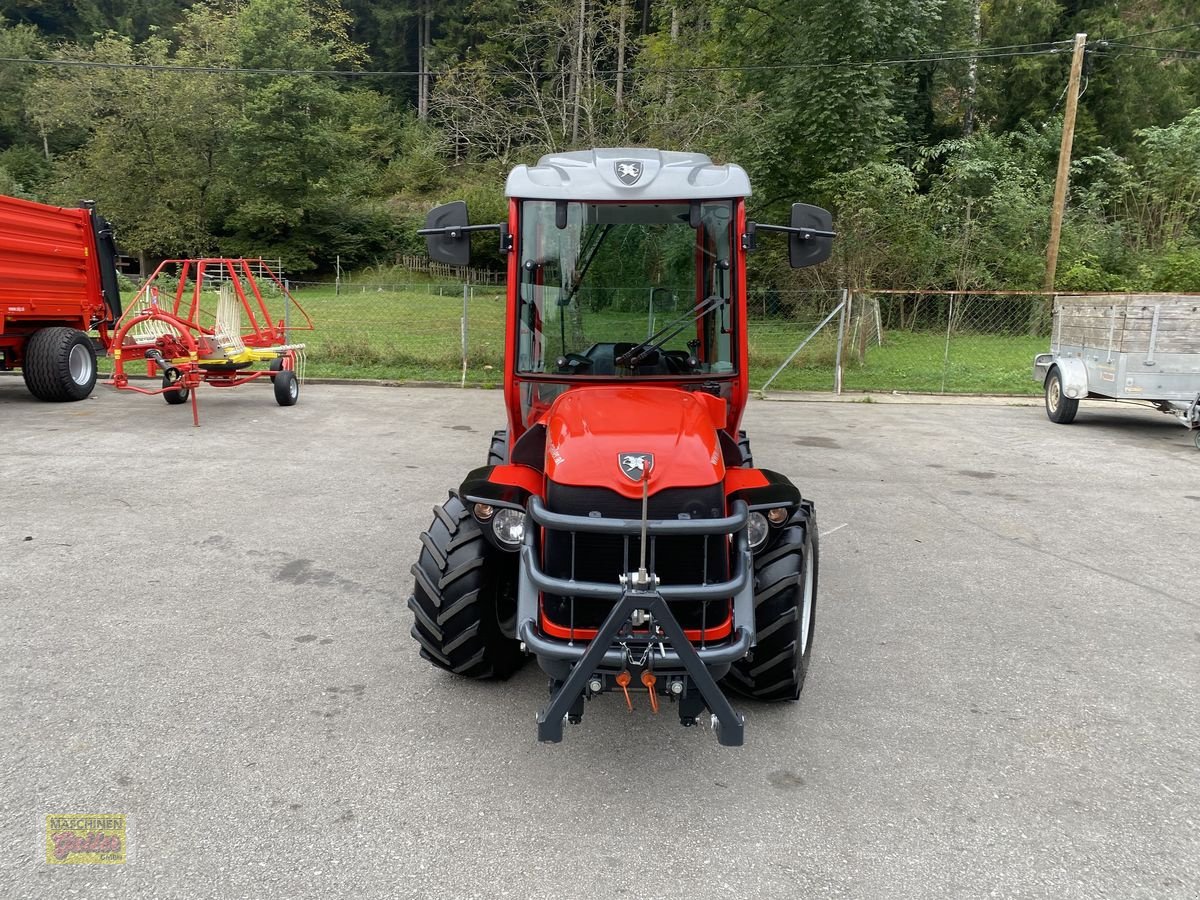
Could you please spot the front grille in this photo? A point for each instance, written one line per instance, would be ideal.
(677, 560)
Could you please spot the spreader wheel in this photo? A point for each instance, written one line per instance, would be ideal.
(287, 387)
(785, 607)
(174, 396)
(464, 598)
(60, 364)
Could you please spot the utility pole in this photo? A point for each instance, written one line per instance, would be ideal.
(423, 17)
(1064, 162)
(620, 56)
(577, 72)
(973, 67)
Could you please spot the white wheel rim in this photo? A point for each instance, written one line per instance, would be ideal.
(806, 604)
(79, 364)
(293, 389)
(1054, 394)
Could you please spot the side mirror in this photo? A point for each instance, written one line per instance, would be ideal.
(447, 239)
(809, 249)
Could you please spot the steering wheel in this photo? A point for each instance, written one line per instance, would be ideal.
(573, 363)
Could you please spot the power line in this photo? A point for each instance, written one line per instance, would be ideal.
(981, 54)
(1129, 37)
(1180, 53)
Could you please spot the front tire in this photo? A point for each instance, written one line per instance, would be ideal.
(785, 614)
(461, 600)
(1059, 407)
(59, 365)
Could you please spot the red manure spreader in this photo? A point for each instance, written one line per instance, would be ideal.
(58, 281)
(620, 532)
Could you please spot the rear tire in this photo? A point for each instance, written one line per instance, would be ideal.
(498, 451)
(287, 388)
(462, 601)
(785, 614)
(59, 365)
(1059, 407)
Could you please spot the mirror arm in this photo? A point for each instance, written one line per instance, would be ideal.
(457, 231)
(750, 241)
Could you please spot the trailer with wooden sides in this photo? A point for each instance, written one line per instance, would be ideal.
(1139, 347)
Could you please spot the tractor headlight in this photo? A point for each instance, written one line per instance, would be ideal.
(509, 527)
(756, 530)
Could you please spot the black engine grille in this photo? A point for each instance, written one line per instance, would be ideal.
(599, 557)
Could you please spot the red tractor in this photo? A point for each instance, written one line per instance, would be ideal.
(620, 532)
(58, 281)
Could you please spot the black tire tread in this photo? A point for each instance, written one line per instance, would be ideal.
(454, 612)
(776, 671)
(744, 446)
(283, 381)
(1067, 407)
(45, 367)
(498, 450)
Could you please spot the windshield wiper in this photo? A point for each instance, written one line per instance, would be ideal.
(590, 250)
(639, 352)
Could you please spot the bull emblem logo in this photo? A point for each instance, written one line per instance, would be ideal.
(629, 171)
(636, 466)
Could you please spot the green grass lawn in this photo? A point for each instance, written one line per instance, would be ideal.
(414, 335)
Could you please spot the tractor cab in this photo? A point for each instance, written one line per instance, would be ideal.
(625, 265)
(620, 532)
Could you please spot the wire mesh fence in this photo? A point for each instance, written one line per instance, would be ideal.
(451, 332)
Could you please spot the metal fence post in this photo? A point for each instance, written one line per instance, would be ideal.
(946, 354)
(287, 305)
(466, 296)
(837, 363)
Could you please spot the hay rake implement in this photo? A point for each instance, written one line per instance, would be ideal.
(206, 321)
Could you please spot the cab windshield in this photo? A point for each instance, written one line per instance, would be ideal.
(625, 289)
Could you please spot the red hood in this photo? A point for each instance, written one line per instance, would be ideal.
(589, 430)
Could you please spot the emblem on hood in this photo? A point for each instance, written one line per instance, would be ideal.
(629, 171)
(636, 466)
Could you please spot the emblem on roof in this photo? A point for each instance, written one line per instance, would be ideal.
(636, 466)
(629, 171)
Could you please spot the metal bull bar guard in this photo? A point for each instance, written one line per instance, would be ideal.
(669, 646)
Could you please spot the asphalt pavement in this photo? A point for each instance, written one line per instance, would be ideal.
(204, 630)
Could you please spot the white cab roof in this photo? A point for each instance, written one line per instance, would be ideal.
(626, 174)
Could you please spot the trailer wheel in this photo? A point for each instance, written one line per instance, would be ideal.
(785, 614)
(287, 388)
(177, 395)
(60, 364)
(462, 601)
(1059, 407)
(1196, 438)
(498, 451)
(744, 446)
